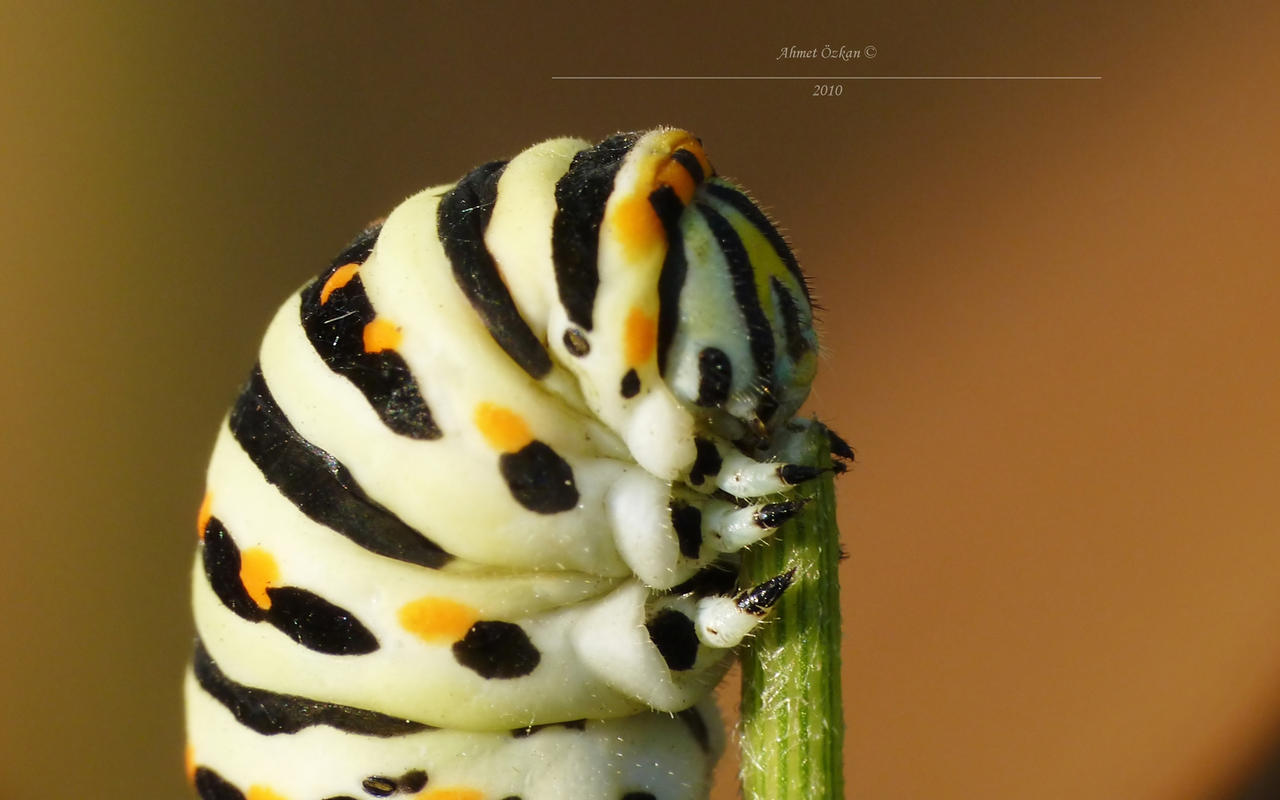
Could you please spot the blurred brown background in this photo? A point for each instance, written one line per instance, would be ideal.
(1051, 326)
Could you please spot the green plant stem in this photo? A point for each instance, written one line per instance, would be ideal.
(792, 724)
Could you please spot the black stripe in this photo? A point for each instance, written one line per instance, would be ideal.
(316, 624)
(666, 204)
(268, 713)
(462, 218)
(581, 194)
(697, 728)
(336, 331)
(689, 161)
(572, 725)
(748, 209)
(797, 345)
(320, 486)
(759, 334)
(358, 249)
(303, 616)
(221, 558)
(212, 786)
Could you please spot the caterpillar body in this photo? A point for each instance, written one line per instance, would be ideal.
(471, 524)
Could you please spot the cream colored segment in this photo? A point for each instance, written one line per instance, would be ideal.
(657, 431)
(449, 488)
(639, 508)
(613, 643)
(372, 587)
(653, 752)
(519, 232)
(409, 678)
(519, 237)
(710, 315)
(409, 280)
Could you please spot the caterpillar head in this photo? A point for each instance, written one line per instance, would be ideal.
(681, 307)
(736, 339)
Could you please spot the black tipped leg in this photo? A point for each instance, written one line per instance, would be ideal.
(792, 474)
(839, 447)
(772, 515)
(760, 598)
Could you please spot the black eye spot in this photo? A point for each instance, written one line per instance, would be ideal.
(575, 341)
(379, 785)
(630, 384)
(715, 374)
(413, 780)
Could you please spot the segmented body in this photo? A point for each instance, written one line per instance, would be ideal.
(471, 523)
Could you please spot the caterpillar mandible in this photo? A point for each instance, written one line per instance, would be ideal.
(471, 524)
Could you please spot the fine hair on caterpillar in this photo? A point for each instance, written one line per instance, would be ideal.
(472, 524)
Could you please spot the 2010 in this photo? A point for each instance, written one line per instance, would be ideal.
(827, 90)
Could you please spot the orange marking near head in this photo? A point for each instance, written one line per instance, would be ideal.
(453, 793)
(340, 277)
(260, 792)
(258, 572)
(639, 337)
(503, 428)
(673, 174)
(635, 223)
(203, 515)
(189, 764)
(438, 620)
(381, 334)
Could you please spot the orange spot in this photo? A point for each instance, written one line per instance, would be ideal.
(635, 223)
(258, 571)
(503, 428)
(453, 793)
(340, 277)
(189, 764)
(259, 792)
(639, 337)
(203, 515)
(438, 620)
(673, 174)
(381, 334)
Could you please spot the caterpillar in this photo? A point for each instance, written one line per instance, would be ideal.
(471, 525)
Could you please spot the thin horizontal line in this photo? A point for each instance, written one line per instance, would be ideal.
(826, 77)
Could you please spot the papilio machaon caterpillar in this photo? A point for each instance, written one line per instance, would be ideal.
(471, 524)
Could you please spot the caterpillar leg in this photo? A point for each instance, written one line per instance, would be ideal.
(664, 650)
(665, 534)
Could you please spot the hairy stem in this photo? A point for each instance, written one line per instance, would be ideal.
(792, 722)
